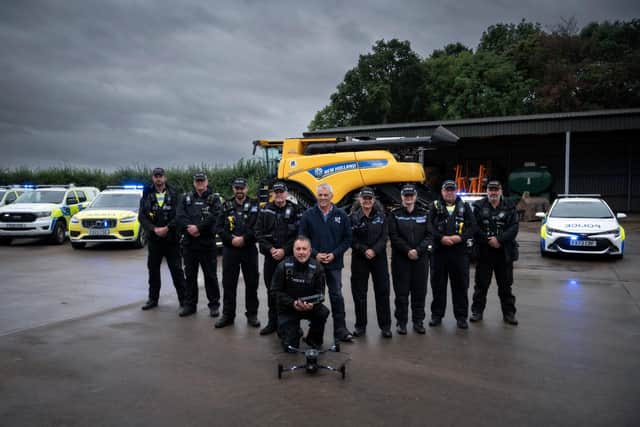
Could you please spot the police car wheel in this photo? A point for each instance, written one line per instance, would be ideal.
(59, 233)
(141, 241)
(78, 245)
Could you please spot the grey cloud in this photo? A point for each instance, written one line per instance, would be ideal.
(113, 83)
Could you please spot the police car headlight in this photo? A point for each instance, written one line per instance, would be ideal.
(74, 220)
(128, 219)
(550, 231)
(616, 233)
(42, 214)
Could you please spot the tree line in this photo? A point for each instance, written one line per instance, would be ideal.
(515, 69)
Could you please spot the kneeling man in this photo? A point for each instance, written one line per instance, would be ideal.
(298, 284)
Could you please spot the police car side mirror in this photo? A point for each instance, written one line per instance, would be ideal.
(621, 215)
(540, 215)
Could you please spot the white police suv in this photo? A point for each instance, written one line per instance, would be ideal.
(581, 224)
(44, 212)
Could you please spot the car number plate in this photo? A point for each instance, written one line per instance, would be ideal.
(10, 225)
(589, 243)
(98, 232)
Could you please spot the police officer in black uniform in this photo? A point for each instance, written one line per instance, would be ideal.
(276, 230)
(197, 214)
(300, 276)
(497, 221)
(411, 242)
(370, 232)
(157, 216)
(236, 226)
(453, 229)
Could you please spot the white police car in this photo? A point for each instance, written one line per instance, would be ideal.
(584, 224)
(44, 212)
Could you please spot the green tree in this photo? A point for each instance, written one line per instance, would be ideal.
(380, 89)
(464, 85)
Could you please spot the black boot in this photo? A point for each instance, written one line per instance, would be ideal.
(150, 304)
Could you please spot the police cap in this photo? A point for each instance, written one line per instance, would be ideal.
(449, 184)
(200, 176)
(279, 186)
(158, 171)
(494, 183)
(367, 192)
(239, 182)
(408, 189)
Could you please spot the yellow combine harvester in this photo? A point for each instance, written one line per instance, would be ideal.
(348, 164)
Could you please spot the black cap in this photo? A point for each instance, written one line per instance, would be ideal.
(279, 186)
(367, 192)
(449, 183)
(494, 183)
(240, 182)
(157, 171)
(199, 176)
(408, 189)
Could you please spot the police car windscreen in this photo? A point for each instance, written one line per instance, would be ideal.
(576, 209)
(2, 194)
(41, 196)
(116, 201)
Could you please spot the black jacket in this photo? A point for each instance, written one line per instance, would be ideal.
(278, 227)
(238, 220)
(201, 211)
(369, 232)
(410, 231)
(292, 280)
(501, 222)
(152, 215)
(461, 222)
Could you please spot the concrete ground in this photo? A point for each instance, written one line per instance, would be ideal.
(76, 350)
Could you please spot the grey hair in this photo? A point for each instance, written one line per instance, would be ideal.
(302, 238)
(326, 186)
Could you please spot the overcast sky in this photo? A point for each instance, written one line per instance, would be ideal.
(112, 83)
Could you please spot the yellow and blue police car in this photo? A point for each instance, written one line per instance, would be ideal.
(111, 217)
(44, 212)
(581, 224)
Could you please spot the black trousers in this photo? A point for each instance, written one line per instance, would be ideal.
(450, 264)
(409, 281)
(268, 269)
(289, 325)
(159, 249)
(361, 267)
(205, 258)
(493, 262)
(234, 259)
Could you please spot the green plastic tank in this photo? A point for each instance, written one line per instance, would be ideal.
(536, 180)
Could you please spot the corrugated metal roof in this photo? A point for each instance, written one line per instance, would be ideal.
(585, 121)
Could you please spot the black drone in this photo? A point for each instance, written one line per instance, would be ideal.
(311, 365)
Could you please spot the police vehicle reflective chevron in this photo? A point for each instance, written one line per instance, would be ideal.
(581, 225)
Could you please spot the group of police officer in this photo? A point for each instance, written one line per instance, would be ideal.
(303, 251)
